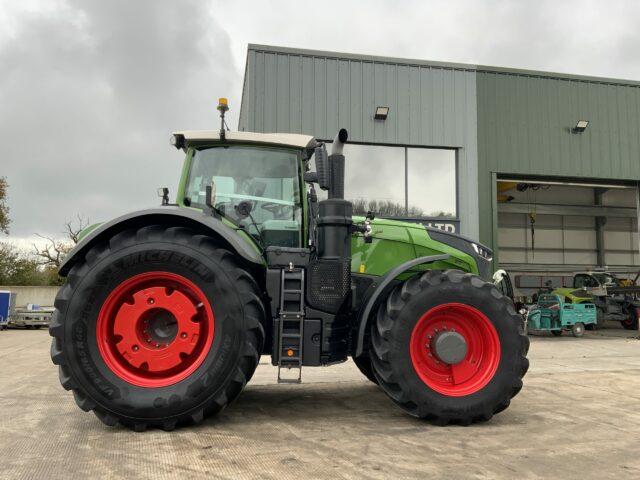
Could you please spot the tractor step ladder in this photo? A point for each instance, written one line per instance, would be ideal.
(291, 324)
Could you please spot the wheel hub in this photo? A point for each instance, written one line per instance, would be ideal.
(455, 349)
(155, 329)
(159, 327)
(449, 347)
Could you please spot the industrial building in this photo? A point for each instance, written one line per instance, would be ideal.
(542, 167)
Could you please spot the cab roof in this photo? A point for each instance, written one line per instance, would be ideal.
(190, 137)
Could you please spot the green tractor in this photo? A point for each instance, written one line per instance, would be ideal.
(165, 312)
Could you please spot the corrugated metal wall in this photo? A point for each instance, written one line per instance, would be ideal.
(311, 92)
(524, 127)
(502, 121)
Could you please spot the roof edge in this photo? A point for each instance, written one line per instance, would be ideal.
(444, 65)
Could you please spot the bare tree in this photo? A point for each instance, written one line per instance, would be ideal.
(53, 252)
(73, 229)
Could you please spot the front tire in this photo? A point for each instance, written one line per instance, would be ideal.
(480, 379)
(157, 327)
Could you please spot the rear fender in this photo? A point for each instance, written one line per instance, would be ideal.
(381, 291)
(171, 217)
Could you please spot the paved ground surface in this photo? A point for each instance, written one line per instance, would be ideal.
(577, 417)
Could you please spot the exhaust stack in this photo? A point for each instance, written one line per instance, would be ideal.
(336, 165)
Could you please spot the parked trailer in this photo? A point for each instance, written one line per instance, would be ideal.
(7, 306)
(31, 318)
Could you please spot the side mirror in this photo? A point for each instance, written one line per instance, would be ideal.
(322, 167)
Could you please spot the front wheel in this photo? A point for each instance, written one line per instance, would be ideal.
(157, 327)
(448, 347)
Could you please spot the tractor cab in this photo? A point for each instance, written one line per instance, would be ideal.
(255, 181)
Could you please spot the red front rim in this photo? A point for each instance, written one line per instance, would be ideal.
(480, 364)
(155, 329)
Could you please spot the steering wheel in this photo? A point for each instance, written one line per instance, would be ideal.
(277, 209)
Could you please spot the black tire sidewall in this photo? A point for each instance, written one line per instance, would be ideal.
(115, 394)
(479, 298)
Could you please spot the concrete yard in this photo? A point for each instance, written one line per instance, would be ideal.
(578, 416)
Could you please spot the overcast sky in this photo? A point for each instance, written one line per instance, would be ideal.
(91, 89)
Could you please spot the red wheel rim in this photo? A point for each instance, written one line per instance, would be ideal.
(155, 329)
(483, 349)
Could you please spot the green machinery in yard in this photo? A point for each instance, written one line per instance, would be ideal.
(165, 312)
(615, 299)
(552, 313)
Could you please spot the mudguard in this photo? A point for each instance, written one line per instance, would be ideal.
(170, 216)
(382, 290)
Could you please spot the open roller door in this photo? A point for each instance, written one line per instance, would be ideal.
(565, 227)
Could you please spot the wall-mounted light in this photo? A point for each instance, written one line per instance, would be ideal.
(381, 113)
(580, 127)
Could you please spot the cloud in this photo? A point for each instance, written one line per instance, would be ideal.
(90, 90)
(89, 94)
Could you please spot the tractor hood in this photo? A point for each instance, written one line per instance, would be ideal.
(397, 241)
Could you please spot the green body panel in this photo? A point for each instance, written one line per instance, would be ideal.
(395, 242)
(86, 231)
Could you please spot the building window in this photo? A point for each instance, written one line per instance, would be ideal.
(431, 183)
(401, 182)
(375, 179)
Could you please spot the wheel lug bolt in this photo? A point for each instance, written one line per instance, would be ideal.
(135, 348)
(151, 301)
(183, 335)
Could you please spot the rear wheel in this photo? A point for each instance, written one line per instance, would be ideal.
(577, 330)
(156, 328)
(448, 347)
(364, 365)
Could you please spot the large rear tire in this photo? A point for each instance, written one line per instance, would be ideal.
(480, 379)
(364, 365)
(157, 327)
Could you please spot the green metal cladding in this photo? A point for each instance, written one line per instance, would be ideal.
(524, 128)
(500, 121)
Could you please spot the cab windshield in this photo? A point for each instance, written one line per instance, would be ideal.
(266, 179)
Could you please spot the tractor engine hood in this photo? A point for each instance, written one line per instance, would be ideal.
(431, 241)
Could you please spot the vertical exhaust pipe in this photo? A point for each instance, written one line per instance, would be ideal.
(336, 164)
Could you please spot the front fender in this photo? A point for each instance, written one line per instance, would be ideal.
(382, 290)
(172, 217)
